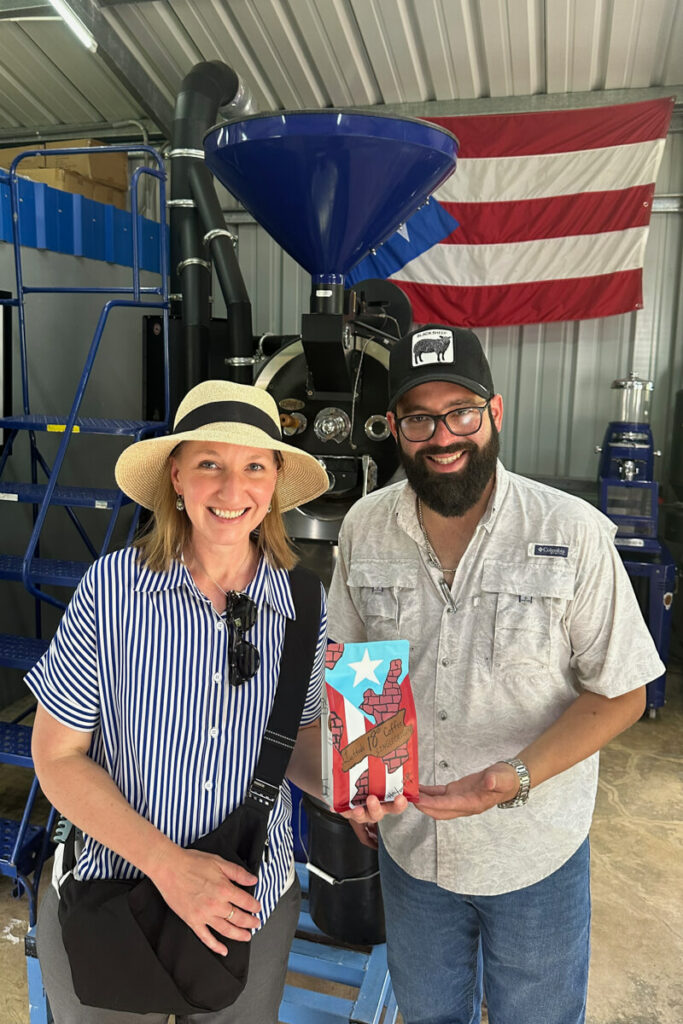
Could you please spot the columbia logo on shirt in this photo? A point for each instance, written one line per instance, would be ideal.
(552, 550)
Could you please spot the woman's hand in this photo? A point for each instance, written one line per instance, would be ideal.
(363, 819)
(203, 889)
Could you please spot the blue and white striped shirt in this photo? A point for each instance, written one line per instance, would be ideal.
(140, 659)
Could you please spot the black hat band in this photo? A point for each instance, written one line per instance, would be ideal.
(228, 412)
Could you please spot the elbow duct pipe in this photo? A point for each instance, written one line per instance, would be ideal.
(195, 211)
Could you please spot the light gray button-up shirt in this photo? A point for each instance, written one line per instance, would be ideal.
(540, 609)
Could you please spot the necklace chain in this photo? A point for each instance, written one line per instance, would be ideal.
(208, 574)
(431, 553)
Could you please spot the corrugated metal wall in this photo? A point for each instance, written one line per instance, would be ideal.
(555, 378)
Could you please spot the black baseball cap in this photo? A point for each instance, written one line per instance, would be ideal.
(438, 352)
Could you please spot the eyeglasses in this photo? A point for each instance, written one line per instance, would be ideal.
(460, 422)
(243, 657)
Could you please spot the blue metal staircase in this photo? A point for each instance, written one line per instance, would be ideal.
(23, 845)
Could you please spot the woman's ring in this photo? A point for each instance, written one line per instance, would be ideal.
(231, 915)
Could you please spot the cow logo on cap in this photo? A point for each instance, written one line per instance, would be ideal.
(432, 345)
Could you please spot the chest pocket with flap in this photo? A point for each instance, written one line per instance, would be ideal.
(385, 596)
(527, 601)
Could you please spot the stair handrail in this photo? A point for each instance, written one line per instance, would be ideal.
(137, 302)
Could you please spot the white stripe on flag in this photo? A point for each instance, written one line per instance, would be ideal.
(544, 259)
(393, 783)
(552, 174)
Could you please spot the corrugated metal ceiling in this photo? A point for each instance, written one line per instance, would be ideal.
(318, 53)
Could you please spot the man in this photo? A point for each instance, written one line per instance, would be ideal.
(528, 653)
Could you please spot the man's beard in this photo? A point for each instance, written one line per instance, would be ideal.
(452, 494)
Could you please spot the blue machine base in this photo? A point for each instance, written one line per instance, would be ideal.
(661, 579)
(311, 955)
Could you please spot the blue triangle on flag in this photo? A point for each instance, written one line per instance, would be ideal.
(430, 225)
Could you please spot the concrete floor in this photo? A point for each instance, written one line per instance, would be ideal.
(637, 847)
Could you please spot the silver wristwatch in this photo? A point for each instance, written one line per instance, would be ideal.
(524, 783)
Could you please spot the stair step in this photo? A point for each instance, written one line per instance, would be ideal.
(84, 497)
(83, 425)
(15, 744)
(21, 652)
(44, 570)
(28, 852)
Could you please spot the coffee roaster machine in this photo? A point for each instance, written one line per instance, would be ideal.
(329, 186)
(629, 494)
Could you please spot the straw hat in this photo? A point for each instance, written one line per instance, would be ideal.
(220, 410)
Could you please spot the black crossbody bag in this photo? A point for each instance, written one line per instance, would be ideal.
(127, 949)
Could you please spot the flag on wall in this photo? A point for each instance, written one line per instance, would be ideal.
(553, 211)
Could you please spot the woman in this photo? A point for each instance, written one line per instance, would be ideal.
(149, 724)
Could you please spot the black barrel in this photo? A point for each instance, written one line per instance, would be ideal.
(350, 911)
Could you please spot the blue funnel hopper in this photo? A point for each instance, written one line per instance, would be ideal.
(329, 185)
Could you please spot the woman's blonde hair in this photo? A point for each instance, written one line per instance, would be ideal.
(169, 531)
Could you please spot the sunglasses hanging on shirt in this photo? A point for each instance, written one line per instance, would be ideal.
(243, 657)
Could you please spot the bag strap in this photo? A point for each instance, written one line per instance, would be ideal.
(296, 664)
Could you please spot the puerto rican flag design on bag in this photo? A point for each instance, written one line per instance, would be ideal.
(369, 725)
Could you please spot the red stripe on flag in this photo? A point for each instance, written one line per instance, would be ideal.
(559, 131)
(340, 782)
(531, 303)
(587, 214)
(411, 769)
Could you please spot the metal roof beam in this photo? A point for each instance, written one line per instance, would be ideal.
(16, 136)
(130, 73)
(527, 104)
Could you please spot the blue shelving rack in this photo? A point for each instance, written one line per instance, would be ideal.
(23, 846)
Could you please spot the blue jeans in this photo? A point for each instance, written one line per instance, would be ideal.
(529, 950)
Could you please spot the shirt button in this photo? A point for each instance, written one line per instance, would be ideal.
(443, 764)
(208, 786)
(449, 610)
(217, 677)
(443, 715)
(219, 624)
(445, 662)
(213, 733)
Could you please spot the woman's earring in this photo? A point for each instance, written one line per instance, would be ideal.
(270, 509)
(179, 503)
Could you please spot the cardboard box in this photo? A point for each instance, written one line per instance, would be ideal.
(109, 169)
(30, 163)
(68, 181)
(369, 727)
(115, 196)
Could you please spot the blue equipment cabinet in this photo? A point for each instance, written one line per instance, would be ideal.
(629, 495)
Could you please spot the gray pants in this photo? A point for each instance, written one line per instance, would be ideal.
(260, 1000)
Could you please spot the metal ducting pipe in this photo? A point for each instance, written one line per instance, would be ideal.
(195, 215)
(240, 340)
